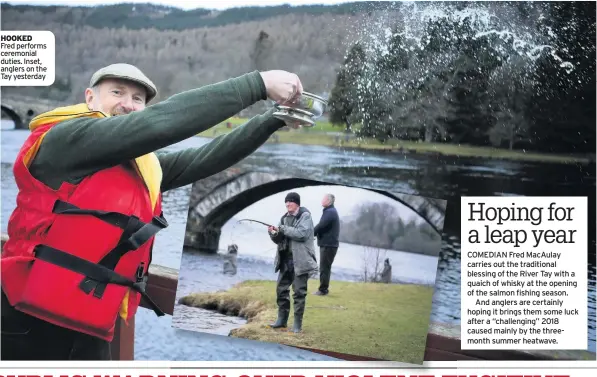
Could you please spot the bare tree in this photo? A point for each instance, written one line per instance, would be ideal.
(373, 259)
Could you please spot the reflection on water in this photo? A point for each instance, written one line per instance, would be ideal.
(442, 177)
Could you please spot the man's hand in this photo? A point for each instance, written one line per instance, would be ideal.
(282, 87)
(272, 229)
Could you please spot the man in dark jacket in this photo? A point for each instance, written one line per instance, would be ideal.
(327, 233)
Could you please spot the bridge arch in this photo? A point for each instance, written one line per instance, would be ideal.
(210, 212)
(12, 114)
(21, 109)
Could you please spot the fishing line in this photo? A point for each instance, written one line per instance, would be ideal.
(236, 236)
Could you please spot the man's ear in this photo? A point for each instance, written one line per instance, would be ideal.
(89, 97)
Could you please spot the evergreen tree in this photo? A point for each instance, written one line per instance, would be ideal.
(343, 98)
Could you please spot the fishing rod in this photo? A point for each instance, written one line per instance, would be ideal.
(255, 221)
(258, 222)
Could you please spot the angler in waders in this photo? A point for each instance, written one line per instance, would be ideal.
(295, 260)
(89, 202)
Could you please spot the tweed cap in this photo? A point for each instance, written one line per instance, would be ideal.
(126, 72)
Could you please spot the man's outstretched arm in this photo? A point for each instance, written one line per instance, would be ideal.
(185, 167)
(76, 148)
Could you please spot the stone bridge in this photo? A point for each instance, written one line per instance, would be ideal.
(21, 109)
(217, 199)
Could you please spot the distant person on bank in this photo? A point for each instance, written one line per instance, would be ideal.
(327, 233)
(295, 260)
(386, 273)
(89, 202)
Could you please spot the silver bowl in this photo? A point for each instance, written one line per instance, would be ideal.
(291, 114)
(308, 108)
(313, 104)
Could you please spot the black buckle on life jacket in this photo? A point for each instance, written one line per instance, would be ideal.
(95, 272)
(140, 272)
(161, 220)
(135, 234)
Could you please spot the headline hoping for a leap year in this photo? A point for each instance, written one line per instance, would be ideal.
(514, 214)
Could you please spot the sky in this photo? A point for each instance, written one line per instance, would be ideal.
(184, 4)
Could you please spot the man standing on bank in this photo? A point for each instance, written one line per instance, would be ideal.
(89, 202)
(295, 260)
(327, 233)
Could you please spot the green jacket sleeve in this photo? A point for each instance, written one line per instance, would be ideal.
(82, 146)
(187, 166)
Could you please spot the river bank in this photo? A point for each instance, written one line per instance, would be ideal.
(387, 321)
(325, 134)
(202, 273)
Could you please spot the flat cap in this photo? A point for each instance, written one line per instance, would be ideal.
(126, 72)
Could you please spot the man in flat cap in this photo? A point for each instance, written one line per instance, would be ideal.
(89, 202)
(295, 260)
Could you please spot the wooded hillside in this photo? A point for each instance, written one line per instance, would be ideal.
(206, 46)
(515, 75)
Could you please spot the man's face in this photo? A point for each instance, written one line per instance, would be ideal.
(325, 201)
(291, 206)
(116, 97)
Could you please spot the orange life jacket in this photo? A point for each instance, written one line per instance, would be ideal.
(78, 256)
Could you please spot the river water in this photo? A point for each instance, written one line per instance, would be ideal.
(434, 176)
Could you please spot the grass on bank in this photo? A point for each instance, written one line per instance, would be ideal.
(320, 135)
(386, 321)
